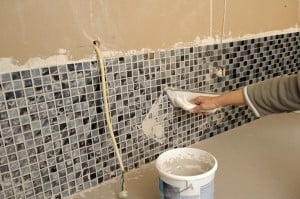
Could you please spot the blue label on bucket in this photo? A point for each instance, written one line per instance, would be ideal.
(207, 191)
(168, 191)
(190, 197)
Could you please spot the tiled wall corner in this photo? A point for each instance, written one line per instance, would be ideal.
(53, 136)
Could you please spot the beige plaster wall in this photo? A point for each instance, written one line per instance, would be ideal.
(35, 28)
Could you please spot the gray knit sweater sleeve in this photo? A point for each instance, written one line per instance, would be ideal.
(281, 94)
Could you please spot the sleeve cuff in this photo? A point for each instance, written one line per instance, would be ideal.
(250, 104)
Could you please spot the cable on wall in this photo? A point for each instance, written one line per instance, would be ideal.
(223, 22)
(123, 193)
(220, 71)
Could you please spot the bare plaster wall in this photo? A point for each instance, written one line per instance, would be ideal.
(32, 29)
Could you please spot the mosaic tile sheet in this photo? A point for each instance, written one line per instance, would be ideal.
(53, 136)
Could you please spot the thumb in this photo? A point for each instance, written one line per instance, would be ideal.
(196, 100)
(200, 108)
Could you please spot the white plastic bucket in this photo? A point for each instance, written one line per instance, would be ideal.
(186, 173)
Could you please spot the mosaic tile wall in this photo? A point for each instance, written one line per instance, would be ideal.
(53, 137)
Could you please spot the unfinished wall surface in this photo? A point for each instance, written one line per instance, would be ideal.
(32, 28)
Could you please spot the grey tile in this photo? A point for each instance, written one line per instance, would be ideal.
(5, 77)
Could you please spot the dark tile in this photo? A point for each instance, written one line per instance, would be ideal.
(26, 74)
(45, 71)
(16, 75)
(5, 77)
(28, 83)
(9, 95)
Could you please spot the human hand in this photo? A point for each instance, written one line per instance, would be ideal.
(204, 104)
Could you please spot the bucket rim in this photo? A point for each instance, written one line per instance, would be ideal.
(206, 174)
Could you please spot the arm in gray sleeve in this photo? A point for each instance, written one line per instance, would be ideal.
(281, 94)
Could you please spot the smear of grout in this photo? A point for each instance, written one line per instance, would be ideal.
(153, 124)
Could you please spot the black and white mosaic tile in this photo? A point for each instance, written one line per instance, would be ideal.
(53, 136)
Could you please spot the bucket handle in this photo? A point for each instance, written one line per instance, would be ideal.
(187, 186)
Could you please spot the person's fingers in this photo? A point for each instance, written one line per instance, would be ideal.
(205, 113)
(196, 100)
(200, 99)
(198, 109)
(203, 107)
(194, 110)
(201, 111)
